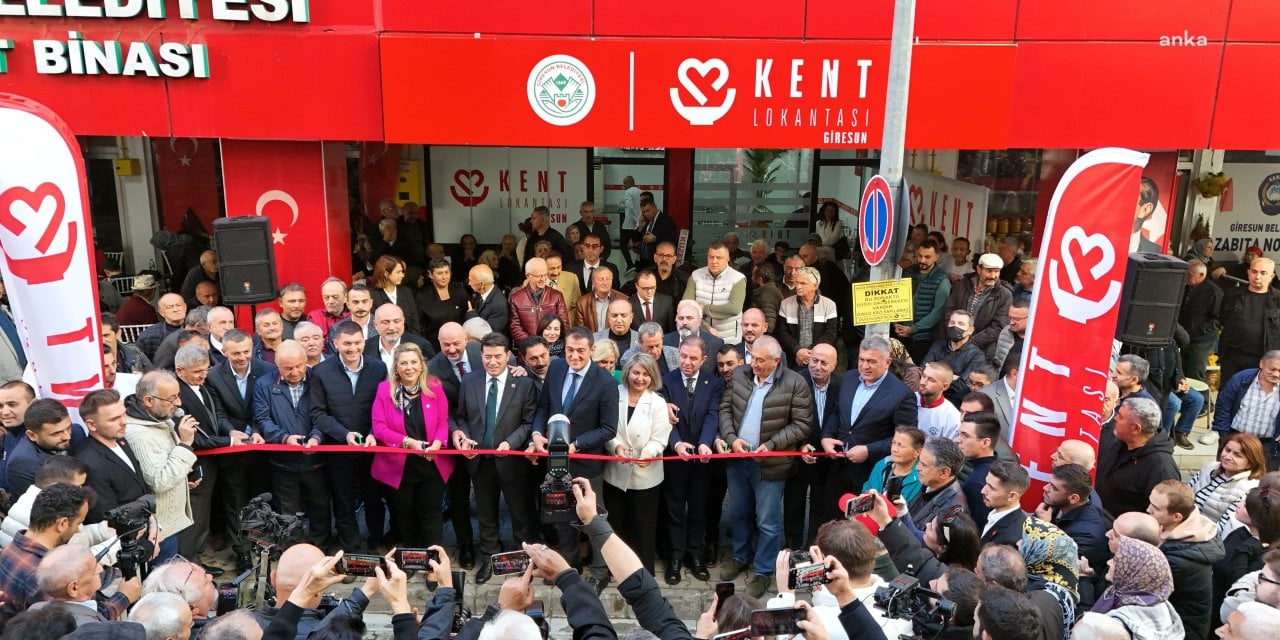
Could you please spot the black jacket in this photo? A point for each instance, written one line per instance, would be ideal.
(592, 413)
(1233, 318)
(1199, 313)
(972, 478)
(404, 300)
(112, 481)
(25, 460)
(371, 346)
(1088, 525)
(335, 409)
(440, 367)
(236, 407)
(1006, 530)
(1125, 478)
(492, 309)
(1191, 561)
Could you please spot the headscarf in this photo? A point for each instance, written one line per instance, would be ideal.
(1052, 557)
(1140, 576)
(1197, 251)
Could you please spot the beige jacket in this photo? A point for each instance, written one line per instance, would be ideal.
(164, 465)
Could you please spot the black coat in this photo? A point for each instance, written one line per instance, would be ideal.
(663, 309)
(592, 413)
(892, 404)
(512, 425)
(1199, 313)
(113, 482)
(1192, 566)
(447, 374)
(406, 302)
(1006, 530)
(222, 384)
(335, 409)
(1125, 478)
(584, 286)
(1088, 525)
(371, 346)
(493, 309)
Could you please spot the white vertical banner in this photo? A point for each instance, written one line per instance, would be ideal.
(955, 208)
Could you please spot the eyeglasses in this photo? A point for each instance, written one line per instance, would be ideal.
(1263, 577)
(169, 400)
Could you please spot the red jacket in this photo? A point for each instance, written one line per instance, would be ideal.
(524, 315)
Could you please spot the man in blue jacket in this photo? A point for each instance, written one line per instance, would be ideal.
(1249, 404)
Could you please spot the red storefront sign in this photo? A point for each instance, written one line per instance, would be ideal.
(1083, 258)
(687, 93)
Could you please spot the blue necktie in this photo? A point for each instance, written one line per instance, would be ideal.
(490, 413)
(573, 389)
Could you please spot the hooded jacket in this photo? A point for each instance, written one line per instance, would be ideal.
(1153, 622)
(1125, 477)
(1192, 548)
(164, 464)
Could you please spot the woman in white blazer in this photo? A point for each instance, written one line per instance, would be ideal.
(632, 489)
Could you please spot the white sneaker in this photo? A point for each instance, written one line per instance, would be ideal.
(1209, 438)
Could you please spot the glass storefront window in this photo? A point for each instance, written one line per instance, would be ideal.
(758, 193)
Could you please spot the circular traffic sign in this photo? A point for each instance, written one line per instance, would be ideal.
(875, 221)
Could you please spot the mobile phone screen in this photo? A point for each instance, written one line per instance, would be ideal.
(411, 559)
(724, 591)
(358, 564)
(510, 563)
(776, 622)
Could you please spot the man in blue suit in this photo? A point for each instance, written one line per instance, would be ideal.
(588, 396)
(695, 392)
(342, 391)
(808, 486)
(873, 402)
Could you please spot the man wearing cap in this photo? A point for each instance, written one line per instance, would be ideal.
(140, 307)
(986, 297)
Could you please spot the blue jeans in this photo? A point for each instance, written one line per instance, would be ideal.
(1189, 404)
(755, 505)
(168, 549)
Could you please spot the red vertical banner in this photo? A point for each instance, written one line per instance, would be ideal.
(1080, 277)
(186, 179)
(46, 251)
(302, 188)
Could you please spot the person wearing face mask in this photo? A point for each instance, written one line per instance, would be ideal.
(958, 351)
(987, 298)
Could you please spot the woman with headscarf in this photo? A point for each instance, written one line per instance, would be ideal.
(1139, 593)
(1052, 557)
(1202, 250)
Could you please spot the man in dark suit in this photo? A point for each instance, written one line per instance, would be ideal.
(282, 412)
(654, 227)
(213, 430)
(696, 393)
(456, 359)
(588, 396)
(495, 411)
(49, 433)
(647, 305)
(873, 402)
(591, 260)
(388, 321)
(487, 303)
(805, 492)
(342, 393)
(688, 322)
(589, 225)
(231, 383)
(1002, 495)
(114, 473)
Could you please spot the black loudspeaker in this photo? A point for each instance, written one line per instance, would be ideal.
(247, 262)
(1153, 287)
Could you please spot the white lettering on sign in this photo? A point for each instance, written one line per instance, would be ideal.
(829, 79)
(264, 10)
(230, 10)
(108, 57)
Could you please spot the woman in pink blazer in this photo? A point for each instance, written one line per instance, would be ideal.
(410, 411)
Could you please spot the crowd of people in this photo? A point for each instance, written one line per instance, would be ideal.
(666, 372)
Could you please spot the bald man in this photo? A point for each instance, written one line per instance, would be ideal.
(1250, 321)
(288, 575)
(173, 313)
(388, 322)
(207, 272)
(810, 478)
(1075, 452)
(282, 414)
(457, 358)
(487, 301)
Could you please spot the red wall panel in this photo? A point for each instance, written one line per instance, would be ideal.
(1087, 95)
(1245, 117)
(1254, 21)
(1135, 20)
(531, 17)
(935, 19)
(961, 96)
(701, 18)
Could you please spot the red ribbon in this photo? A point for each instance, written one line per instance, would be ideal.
(346, 448)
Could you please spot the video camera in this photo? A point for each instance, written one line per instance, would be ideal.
(558, 503)
(128, 520)
(905, 599)
(265, 528)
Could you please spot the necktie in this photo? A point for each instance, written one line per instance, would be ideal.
(490, 413)
(462, 370)
(591, 274)
(648, 314)
(573, 389)
(688, 386)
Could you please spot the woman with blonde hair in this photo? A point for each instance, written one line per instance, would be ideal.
(632, 490)
(410, 411)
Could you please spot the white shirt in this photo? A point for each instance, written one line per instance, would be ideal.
(119, 451)
(630, 207)
(941, 420)
(502, 385)
(388, 355)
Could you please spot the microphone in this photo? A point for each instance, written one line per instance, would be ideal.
(264, 498)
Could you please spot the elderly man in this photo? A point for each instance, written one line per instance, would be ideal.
(213, 430)
(562, 281)
(1199, 317)
(456, 359)
(647, 305)
(1025, 279)
(688, 321)
(163, 616)
(388, 320)
(70, 577)
(197, 322)
(721, 292)
(311, 337)
(206, 272)
(487, 302)
(173, 311)
(591, 311)
(269, 327)
(618, 327)
(529, 303)
(1248, 404)
(986, 297)
(765, 408)
(649, 341)
(736, 255)
(806, 319)
(188, 581)
(333, 296)
(208, 294)
(1250, 320)
(1138, 459)
(939, 469)
(805, 492)
(219, 321)
(162, 439)
(342, 391)
(282, 413)
(139, 307)
(1077, 452)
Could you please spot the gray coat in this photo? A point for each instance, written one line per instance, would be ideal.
(786, 420)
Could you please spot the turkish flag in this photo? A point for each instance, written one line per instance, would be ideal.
(186, 178)
(1079, 280)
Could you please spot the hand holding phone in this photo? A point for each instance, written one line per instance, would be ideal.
(362, 565)
(509, 563)
(776, 622)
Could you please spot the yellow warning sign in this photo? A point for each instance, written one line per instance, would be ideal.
(883, 301)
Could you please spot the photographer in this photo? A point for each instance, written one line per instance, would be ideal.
(298, 565)
(57, 469)
(960, 586)
(950, 538)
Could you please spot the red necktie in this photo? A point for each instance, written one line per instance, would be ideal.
(648, 315)
(462, 370)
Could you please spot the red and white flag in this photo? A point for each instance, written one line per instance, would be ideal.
(46, 250)
(1066, 358)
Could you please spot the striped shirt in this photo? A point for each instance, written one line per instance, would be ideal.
(1257, 413)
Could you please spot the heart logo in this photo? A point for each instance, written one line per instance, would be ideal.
(1084, 245)
(45, 203)
(704, 70)
(466, 188)
(916, 193)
